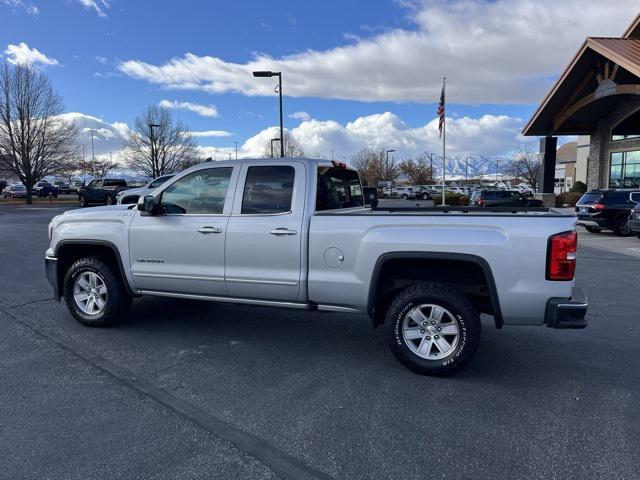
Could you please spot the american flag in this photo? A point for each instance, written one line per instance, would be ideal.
(441, 111)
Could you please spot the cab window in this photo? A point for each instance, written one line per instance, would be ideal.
(338, 188)
(200, 193)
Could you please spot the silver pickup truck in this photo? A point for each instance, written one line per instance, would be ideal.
(295, 233)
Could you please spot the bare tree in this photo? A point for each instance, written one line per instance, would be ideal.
(292, 148)
(98, 168)
(157, 145)
(418, 171)
(34, 140)
(373, 166)
(526, 165)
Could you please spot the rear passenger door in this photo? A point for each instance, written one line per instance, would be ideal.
(263, 254)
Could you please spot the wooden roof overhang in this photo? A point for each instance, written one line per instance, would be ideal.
(603, 73)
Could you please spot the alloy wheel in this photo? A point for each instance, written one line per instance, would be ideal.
(90, 293)
(431, 331)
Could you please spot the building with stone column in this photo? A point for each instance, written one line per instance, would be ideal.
(598, 95)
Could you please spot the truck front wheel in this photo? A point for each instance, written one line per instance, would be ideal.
(95, 293)
(432, 329)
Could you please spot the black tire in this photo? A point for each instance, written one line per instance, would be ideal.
(460, 306)
(82, 200)
(425, 196)
(118, 300)
(109, 200)
(405, 197)
(592, 229)
(622, 228)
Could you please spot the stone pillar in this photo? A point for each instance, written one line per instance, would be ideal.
(548, 147)
(597, 163)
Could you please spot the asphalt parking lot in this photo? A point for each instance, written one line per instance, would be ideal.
(184, 389)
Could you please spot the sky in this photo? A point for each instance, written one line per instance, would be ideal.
(356, 73)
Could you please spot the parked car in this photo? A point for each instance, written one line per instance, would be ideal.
(405, 193)
(63, 187)
(44, 189)
(422, 192)
(634, 220)
(76, 185)
(16, 190)
(3, 185)
(502, 198)
(294, 233)
(133, 194)
(101, 191)
(599, 210)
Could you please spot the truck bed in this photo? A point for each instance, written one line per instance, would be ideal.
(452, 210)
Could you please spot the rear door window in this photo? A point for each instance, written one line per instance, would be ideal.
(268, 190)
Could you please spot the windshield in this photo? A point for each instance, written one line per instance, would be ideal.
(338, 188)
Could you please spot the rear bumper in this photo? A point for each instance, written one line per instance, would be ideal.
(592, 221)
(567, 312)
(51, 268)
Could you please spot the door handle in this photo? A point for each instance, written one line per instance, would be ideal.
(282, 231)
(208, 230)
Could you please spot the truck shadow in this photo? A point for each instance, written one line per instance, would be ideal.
(524, 356)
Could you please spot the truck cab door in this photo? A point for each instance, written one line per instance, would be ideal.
(264, 244)
(181, 249)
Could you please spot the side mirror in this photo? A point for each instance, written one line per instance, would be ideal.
(147, 204)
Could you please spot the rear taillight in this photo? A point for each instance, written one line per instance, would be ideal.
(479, 202)
(598, 206)
(561, 256)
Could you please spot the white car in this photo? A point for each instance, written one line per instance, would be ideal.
(132, 195)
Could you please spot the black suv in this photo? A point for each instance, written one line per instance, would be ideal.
(102, 191)
(599, 210)
(502, 198)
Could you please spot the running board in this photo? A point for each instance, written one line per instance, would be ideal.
(243, 301)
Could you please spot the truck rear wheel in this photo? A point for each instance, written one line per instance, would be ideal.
(95, 294)
(432, 329)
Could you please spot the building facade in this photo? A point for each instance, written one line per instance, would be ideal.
(597, 98)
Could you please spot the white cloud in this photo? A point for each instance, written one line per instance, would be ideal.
(487, 135)
(107, 137)
(304, 116)
(22, 53)
(203, 110)
(212, 133)
(29, 8)
(98, 5)
(505, 51)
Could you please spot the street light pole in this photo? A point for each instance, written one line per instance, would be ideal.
(154, 163)
(273, 140)
(93, 154)
(236, 149)
(279, 75)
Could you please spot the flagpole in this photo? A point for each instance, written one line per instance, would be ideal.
(444, 140)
